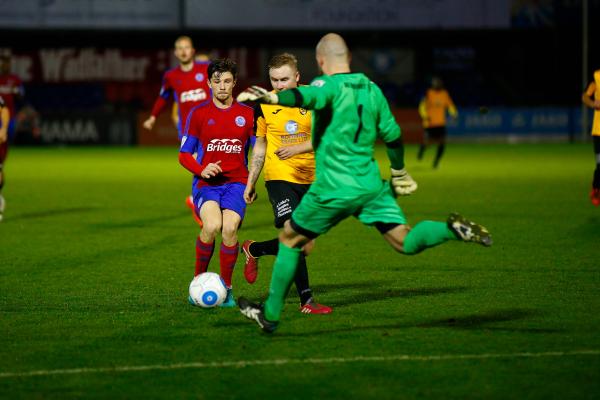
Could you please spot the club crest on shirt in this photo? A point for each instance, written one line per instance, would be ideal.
(240, 121)
(318, 83)
(303, 111)
(291, 127)
(199, 77)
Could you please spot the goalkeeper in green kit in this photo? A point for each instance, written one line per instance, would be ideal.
(350, 114)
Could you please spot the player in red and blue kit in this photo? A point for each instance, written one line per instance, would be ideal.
(11, 91)
(219, 132)
(188, 85)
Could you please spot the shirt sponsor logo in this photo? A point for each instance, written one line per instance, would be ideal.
(291, 127)
(193, 95)
(240, 121)
(318, 83)
(229, 146)
(199, 77)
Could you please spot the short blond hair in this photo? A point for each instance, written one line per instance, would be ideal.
(280, 60)
(184, 37)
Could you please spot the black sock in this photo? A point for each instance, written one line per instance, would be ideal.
(596, 182)
(439, 154)
(301, 281)
(266, 248)
(421, 152)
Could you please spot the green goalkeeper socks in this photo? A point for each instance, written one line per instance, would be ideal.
(282, 277)
(426, 234)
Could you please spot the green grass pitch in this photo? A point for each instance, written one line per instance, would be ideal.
(97, 251)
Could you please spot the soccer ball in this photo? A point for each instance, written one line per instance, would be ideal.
(208, 290)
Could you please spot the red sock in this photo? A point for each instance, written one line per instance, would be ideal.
(228, 256)
(204, 252)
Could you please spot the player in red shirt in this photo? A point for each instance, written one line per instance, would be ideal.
(11, 91)
(188, 85)
(219, 132)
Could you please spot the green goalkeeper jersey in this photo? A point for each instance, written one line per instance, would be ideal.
(350, 114)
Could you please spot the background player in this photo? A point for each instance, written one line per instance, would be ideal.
(219, 131)
(188, 85)
(4, 122)
(283, 146)
(432, 110)
(593, 91)
(350, 114)
(12, 92)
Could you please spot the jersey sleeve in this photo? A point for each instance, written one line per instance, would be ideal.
(189, 144)
(591, 89)
(165, 92)
(260, 124)
(387, 127)
(317, 96)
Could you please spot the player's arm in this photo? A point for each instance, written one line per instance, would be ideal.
(389, 131)
(4, 120)
(189, 145)
(159, 104)
(258, 155)
(175, 115)
(451, 107)
(586, 97)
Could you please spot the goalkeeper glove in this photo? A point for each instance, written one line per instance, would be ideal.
(258, 94)
(402, 183)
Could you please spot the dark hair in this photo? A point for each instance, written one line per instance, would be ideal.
(222, 65)
(283, 59)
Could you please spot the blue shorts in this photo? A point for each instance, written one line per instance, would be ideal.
(229, 196)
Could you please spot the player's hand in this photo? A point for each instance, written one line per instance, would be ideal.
(402, 183)
(149, 123)
(285, 152)
(212, 169)
(258, 94)
(597, 104)
(3, 136)
(250, 194)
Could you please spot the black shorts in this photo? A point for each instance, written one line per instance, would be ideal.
(285, 197)
(596, 140)
(436, 132)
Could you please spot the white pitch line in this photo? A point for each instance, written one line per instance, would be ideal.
(284, 361)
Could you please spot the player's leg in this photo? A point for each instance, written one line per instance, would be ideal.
(3, 154)
(210, 210)
(439, 136)
(308, 221)
(595, 194)
(190, 201)
(423, 145)
(384, 213)
(234, 209)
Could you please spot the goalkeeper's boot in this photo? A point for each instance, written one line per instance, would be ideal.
(311, 307)
(256, 312)
(468, 231)
(229, 301)
(251, 264)
(189, 201)
(595, 196)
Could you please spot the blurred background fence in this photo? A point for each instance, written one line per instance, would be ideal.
(92, 68)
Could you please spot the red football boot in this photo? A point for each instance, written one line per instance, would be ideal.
(595, 196)
(251, 263)
(189, 201)
(315, 308)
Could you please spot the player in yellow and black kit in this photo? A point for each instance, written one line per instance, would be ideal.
(593, 90)
(432, 109)
(283, 146)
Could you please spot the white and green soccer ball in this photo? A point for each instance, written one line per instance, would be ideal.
(208, 290)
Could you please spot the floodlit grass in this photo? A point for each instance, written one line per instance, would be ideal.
(97, 251)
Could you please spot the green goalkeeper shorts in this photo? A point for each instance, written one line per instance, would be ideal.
(316, 214)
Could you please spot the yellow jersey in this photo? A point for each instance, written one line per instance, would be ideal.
(285, 126)
(594, 90)
(433, 106)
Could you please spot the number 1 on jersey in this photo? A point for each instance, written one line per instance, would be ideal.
(360, 108)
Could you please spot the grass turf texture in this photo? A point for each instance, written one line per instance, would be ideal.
(97, 251)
